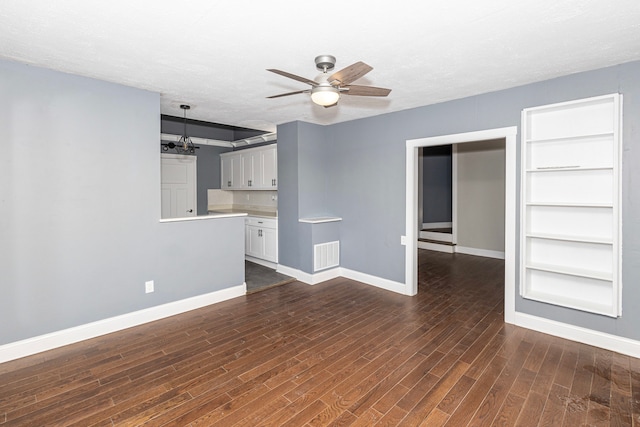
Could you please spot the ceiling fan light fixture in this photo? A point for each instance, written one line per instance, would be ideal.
(325, 95)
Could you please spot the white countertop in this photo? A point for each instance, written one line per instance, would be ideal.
(232, 211)
(320, 219)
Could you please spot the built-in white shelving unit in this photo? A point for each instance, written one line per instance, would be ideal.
(570, 212)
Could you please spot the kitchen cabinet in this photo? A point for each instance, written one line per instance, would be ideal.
(250, 169)
(231, 169)
(570, 213)
(261, 238)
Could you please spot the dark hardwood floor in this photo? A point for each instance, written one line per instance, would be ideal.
(339, 353)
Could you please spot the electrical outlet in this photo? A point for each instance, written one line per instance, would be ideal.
(148, 286)
(403, 240)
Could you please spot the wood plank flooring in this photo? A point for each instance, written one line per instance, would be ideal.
(339, 353)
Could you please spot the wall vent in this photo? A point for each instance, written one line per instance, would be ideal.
(326, 255)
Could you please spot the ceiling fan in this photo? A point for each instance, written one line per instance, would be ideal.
(326, 89)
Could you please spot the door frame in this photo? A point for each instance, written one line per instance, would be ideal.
(509, 134)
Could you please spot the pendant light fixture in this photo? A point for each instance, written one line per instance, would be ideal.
(185, 142)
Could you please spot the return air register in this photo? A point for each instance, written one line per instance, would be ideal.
(326, 255)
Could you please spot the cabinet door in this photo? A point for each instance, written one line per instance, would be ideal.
(254, 242)
(269, 162)
(231, 171)
(270, 244)
(236, 171)
(252, 170)
(226, 166)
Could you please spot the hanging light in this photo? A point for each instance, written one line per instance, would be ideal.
(185, 142)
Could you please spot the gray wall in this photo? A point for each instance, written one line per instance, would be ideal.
(288, 195)
(480, 195)
(302, 190)
(366, 178)
(436, 184)
(79, 221)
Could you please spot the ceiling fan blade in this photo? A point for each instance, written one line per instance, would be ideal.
(289, 93)
(293, 76)
(350, 74)
(365, 90)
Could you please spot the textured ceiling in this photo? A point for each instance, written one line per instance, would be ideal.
(213, 54)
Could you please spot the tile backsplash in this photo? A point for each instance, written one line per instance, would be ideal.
(252, 200)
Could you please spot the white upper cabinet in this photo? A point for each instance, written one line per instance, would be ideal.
(250, 169)
(570, 212)
(269, 172)
(231, 171)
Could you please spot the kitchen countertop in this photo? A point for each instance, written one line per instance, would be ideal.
(262, 214)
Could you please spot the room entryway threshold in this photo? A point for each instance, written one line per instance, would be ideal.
(258, 277)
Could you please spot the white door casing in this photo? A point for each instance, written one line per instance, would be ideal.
(411, 237)
(178, 186)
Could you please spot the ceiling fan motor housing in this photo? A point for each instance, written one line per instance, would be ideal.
(325, 63)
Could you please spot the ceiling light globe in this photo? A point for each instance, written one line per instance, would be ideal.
(325, 95)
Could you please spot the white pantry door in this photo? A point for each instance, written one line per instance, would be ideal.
(178, 186)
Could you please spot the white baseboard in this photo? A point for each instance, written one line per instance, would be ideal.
(437, 225)
(18, 349)
(313, 279)
(309, 279)
(436, 247)
(434, 235)
(575, 333)
(480, 252)
(376, 281)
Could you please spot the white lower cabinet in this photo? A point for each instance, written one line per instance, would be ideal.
(261, 238)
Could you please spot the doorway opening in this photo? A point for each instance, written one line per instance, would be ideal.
(412, 197)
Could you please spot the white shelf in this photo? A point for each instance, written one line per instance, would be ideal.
(569, 168)
(579, 272)
(570, 238)
(570, 215)
(578, 304)
(571, 204)
(571, 138)
(320, 220)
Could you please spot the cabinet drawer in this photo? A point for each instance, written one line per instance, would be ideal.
(261, 222)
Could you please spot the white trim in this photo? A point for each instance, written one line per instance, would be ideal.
(487, 253)
(378, 282)
(196, 140)
(309, 279)
(262, 262)
(437, 236)
(575, 333)
(314, 279)
(411, 197)
(454, 194)
(18, 349)
(437, 225)
(430, 246)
